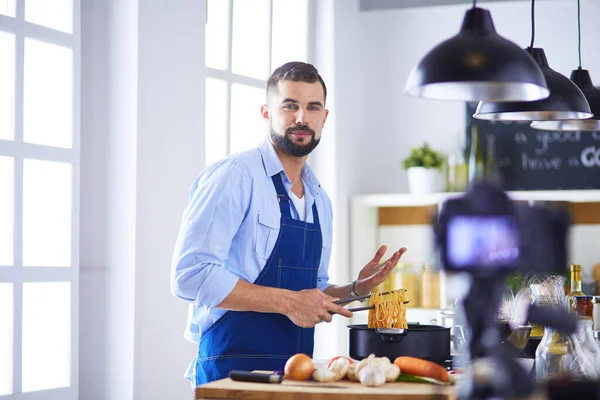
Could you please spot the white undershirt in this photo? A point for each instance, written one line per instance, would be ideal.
(300, 206)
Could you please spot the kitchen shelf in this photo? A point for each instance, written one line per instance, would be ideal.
(415, 200)
(366, 229)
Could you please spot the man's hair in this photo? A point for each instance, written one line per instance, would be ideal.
(295, 71)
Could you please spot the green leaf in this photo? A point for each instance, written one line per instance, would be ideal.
(419, 379)
(423, 156)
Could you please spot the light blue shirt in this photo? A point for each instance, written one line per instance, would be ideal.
(229, 229)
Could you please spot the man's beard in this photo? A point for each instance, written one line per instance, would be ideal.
(285, 144)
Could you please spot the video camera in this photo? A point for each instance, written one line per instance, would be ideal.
(486, 234)
(489, 236)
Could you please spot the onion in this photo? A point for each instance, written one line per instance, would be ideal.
(299, 367)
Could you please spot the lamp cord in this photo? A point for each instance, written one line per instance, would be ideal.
(579, 31)
(532, 24)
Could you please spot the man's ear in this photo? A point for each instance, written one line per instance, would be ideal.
(264, 111)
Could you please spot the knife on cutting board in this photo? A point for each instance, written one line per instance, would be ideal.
(273, 377)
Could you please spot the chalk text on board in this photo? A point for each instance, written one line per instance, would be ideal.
(540, 162)
(590, 157)
(559, 137)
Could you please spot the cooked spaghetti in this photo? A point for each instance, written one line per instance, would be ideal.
(389, 311)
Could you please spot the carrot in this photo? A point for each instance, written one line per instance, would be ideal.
(420, 367)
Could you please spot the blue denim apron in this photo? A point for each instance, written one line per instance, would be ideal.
(264, 341)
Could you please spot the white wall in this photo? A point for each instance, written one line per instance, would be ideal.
(170, 155)
(142, 145)
(333, 161)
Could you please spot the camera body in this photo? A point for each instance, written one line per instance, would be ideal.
(485, 233)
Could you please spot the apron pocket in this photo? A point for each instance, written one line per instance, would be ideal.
(296, 274)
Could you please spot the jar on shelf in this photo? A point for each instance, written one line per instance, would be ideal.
(596, 313)
(583, 307)
(404, 277)
(430, 286)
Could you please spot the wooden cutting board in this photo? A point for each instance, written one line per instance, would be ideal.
(346, 390)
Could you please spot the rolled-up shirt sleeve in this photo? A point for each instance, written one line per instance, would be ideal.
(214, 214)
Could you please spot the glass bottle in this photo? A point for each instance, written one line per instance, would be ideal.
(457, 168)
(575, 285)
(492, 173)
(552, 355)
(476, 163)
(584, 352)
(430, 287)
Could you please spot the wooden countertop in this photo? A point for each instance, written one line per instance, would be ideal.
(347, 390)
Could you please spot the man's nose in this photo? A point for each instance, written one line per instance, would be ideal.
(301, 118)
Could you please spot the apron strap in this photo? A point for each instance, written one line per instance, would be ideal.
(282, 196)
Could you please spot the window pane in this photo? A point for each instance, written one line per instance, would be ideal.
(6, 338)
(46, 213)
(216, 120)
(7, 86)
(8, 7)
(289, 44)
(251, 38)
(46, 335)
(55, 14)
(247, 125)
(6, 211)
(217, 34)
(48, 94)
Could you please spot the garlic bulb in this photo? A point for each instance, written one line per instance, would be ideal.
(371, 375)
(324, 374)
(352, 373)
(364, 362)
(339, 367)
(392, 372)
(381, 361)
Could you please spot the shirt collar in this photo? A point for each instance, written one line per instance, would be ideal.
(273, 166)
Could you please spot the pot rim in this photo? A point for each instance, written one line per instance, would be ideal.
(413, 327)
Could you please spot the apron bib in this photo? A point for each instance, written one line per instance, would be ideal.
(264, 341)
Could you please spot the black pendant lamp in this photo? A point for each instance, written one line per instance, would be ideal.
(582, 79)
(566, 100)
(477, 64)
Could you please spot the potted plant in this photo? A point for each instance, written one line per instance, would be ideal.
(423, 166)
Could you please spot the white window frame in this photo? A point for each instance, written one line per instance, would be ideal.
(19, 150)
(231, 78)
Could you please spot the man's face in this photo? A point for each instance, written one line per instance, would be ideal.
(296, 114)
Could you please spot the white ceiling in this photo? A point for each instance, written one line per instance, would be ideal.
(371, 5)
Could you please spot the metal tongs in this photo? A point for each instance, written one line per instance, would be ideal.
(359, 298)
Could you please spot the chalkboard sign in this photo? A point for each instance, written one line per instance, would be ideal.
(533, 159)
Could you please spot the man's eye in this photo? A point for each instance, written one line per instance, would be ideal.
(290, 106)
(314, 108)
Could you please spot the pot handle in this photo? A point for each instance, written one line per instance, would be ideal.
(392, 335)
